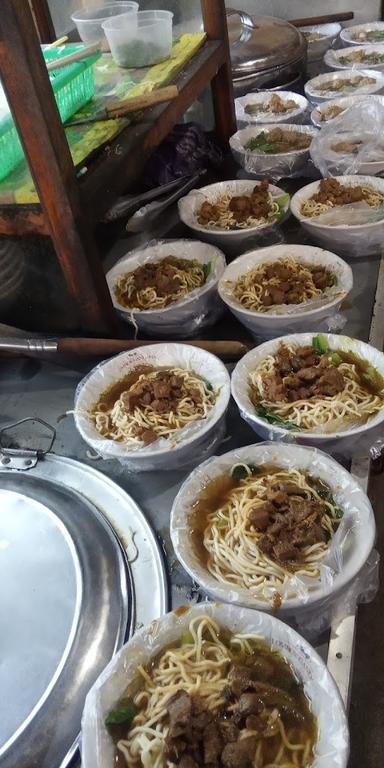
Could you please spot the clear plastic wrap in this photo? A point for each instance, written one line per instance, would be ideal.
(352, 143)
(272, 166)
(356, 440)
(227, 238)
(319, 314)
(319, 115)
(340, 230)
(332, 747)
(350, 59)
(347, 554)
(244, 118)
(197, 440)
(183, 318)
(314, 88)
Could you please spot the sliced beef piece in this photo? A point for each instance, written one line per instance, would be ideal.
(260, 517)
(255, 723)
(148, 436)
(277, 294)
(266, 299)
(293, 297)
(161, 406)
(179, 708)
(212, 744)
(274, 387)
(161, 389)
(129, 400)
(289, 488)
(285, 551)
(283, 360)
(239, 754)
(278, 498)
(314, 534)
(228, 731)
(330, 383)
(320, 279)
(309, 374)
(250, 704)
(299, 509)
(188, 762)
(266, 544)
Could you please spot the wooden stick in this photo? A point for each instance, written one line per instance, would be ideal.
(137, 103)
(227, 350)
(58, 42)
(327, 19)
(72, 57)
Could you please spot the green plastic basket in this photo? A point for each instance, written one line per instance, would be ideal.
(73, 86)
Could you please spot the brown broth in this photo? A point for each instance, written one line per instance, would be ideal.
(110, 395)
(375, 386)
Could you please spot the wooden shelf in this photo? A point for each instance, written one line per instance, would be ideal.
(71, 207)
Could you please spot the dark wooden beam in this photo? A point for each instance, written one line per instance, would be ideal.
(27, 85)
(215, 25)
(43, 20)
(125, 157)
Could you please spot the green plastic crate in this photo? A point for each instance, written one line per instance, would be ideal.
(73, 86)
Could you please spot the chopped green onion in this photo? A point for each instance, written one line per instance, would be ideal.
(207, 269)
(334, 358)
(338, 513)
(320, 344)
(272, 418)
(242, 471)
(186, 638)
(122, 714)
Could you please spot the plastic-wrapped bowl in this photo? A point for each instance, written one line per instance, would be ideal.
(345, 102)
(347, 34)
(191, 203)
(182, 318)
(89, 20)
(143, 43)
(200, 439)
(347, 553)
(317, 48)
(352, 240)
(297, 115)
(316, 96)
(333, 58)
(274, 165)
(332, 748)
(287, 318)
(341, 441)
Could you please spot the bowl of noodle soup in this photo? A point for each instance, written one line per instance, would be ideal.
(252, 290)
(337, 227)
(232, 227)
(169, 287)
(287, 389)
(160, 406)
(172, 674)
(288, 563)
(273, 150)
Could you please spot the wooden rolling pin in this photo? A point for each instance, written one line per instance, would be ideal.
(227, 350)
(327, 19)
(116, 109)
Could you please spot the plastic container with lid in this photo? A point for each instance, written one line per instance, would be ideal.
(89, 20)
(142, 40)
(265, 52)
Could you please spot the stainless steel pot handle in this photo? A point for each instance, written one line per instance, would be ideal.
(24, 458)
(245, 18)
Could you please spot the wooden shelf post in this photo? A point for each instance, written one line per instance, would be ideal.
(27, 86)
(215, 25)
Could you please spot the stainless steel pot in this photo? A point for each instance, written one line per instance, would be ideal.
(265, 52)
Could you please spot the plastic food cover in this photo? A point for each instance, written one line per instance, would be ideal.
(319, 313)
(352, 230)
(361, 126)
(314, 88)
(347, 554)
(274, 166)
(196, 441)
(332, 748)
(182, 318)
(349, 442)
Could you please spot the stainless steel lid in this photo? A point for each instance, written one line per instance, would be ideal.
(261, 43)
(67, 602)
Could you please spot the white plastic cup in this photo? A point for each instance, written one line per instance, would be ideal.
(141, 41)
(89, 20)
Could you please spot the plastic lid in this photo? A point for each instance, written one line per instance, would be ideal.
(259, 43)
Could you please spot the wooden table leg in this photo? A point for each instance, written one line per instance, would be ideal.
(31, 99)
(215, 25)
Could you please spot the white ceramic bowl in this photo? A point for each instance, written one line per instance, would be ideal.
(343, 440)
(345, 102)
(346, 34)
(286, 319)
(191, 203)
(181, 318)
(332, 747)
(316, 96)
(317, 48)
(277, 165)
(333, 58)
(351, 548)
(294, 116)
(200, 438)
(347, 239)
